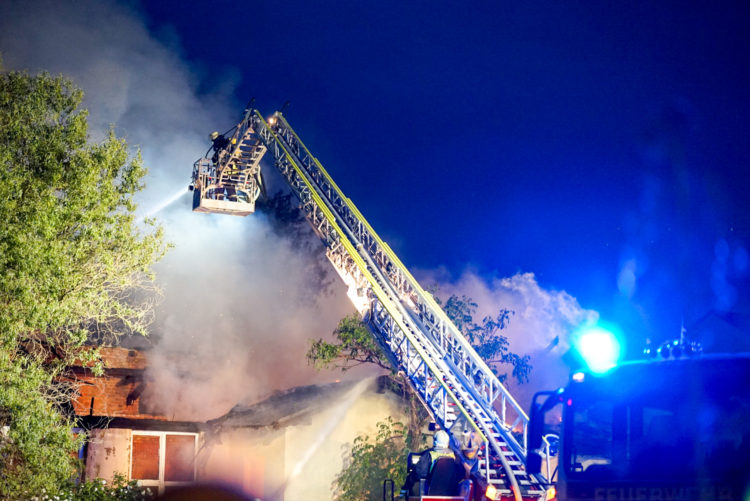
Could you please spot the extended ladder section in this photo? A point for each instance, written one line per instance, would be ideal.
(457, 387)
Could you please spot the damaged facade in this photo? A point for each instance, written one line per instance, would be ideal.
(125, 438)
(288, 446)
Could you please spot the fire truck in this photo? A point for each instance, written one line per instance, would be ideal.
(666, 428)
(461, 393)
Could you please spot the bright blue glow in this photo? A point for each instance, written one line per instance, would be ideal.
(598, 347)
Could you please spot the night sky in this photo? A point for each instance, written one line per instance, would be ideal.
(602, 146)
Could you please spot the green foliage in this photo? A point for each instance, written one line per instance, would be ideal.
(372, 460)
(461, 311)
(72, 253)
(74, 268)
(354, 345)
(97, 490)
(36, 449)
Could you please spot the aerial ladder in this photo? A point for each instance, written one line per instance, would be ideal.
(456, 386)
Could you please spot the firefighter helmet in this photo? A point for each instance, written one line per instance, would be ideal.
(441, 440)
(214, 135)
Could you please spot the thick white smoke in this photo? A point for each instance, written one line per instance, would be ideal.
(130, 79)
(541, 325)
(240, 304)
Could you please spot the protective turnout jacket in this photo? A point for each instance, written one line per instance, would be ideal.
(440, 468)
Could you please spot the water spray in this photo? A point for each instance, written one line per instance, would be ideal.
(333, 421)
(165, 203)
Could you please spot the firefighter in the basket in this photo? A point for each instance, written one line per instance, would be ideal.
(227, 175)
(218, 143)
(229, 179)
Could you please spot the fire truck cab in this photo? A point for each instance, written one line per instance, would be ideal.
(674, 429)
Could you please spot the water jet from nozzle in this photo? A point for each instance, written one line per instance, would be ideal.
(333, 421)
(165, 203)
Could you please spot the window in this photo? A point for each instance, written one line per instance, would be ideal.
(161, 459)
(592, 437)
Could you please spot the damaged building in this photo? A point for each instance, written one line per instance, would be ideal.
(125, 438)
(287, 446)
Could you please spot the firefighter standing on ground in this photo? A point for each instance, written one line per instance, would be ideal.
(438, 466)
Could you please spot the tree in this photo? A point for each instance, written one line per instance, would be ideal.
(72, 252)
(486, 339)
(74, 268)
(354, 346)
(36, 446)
(372, 460)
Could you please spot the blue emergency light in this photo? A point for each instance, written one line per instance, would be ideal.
(598, 347)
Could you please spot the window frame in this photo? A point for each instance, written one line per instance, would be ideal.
(161, 483)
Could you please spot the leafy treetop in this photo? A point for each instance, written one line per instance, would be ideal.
(72, 255)
(74, 269)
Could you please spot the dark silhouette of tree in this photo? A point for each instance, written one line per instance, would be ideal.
(486, 338)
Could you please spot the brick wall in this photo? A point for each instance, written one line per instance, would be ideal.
(118, 392)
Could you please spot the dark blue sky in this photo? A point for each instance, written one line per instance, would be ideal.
(603, 146)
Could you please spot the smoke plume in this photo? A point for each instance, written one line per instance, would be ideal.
(541, 325)
(240, 302)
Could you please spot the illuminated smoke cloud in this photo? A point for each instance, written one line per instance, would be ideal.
(130, 79)
(540, 327)
(240, 304)
(240, 307)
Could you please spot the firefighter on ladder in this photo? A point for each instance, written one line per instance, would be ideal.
(471, 443)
